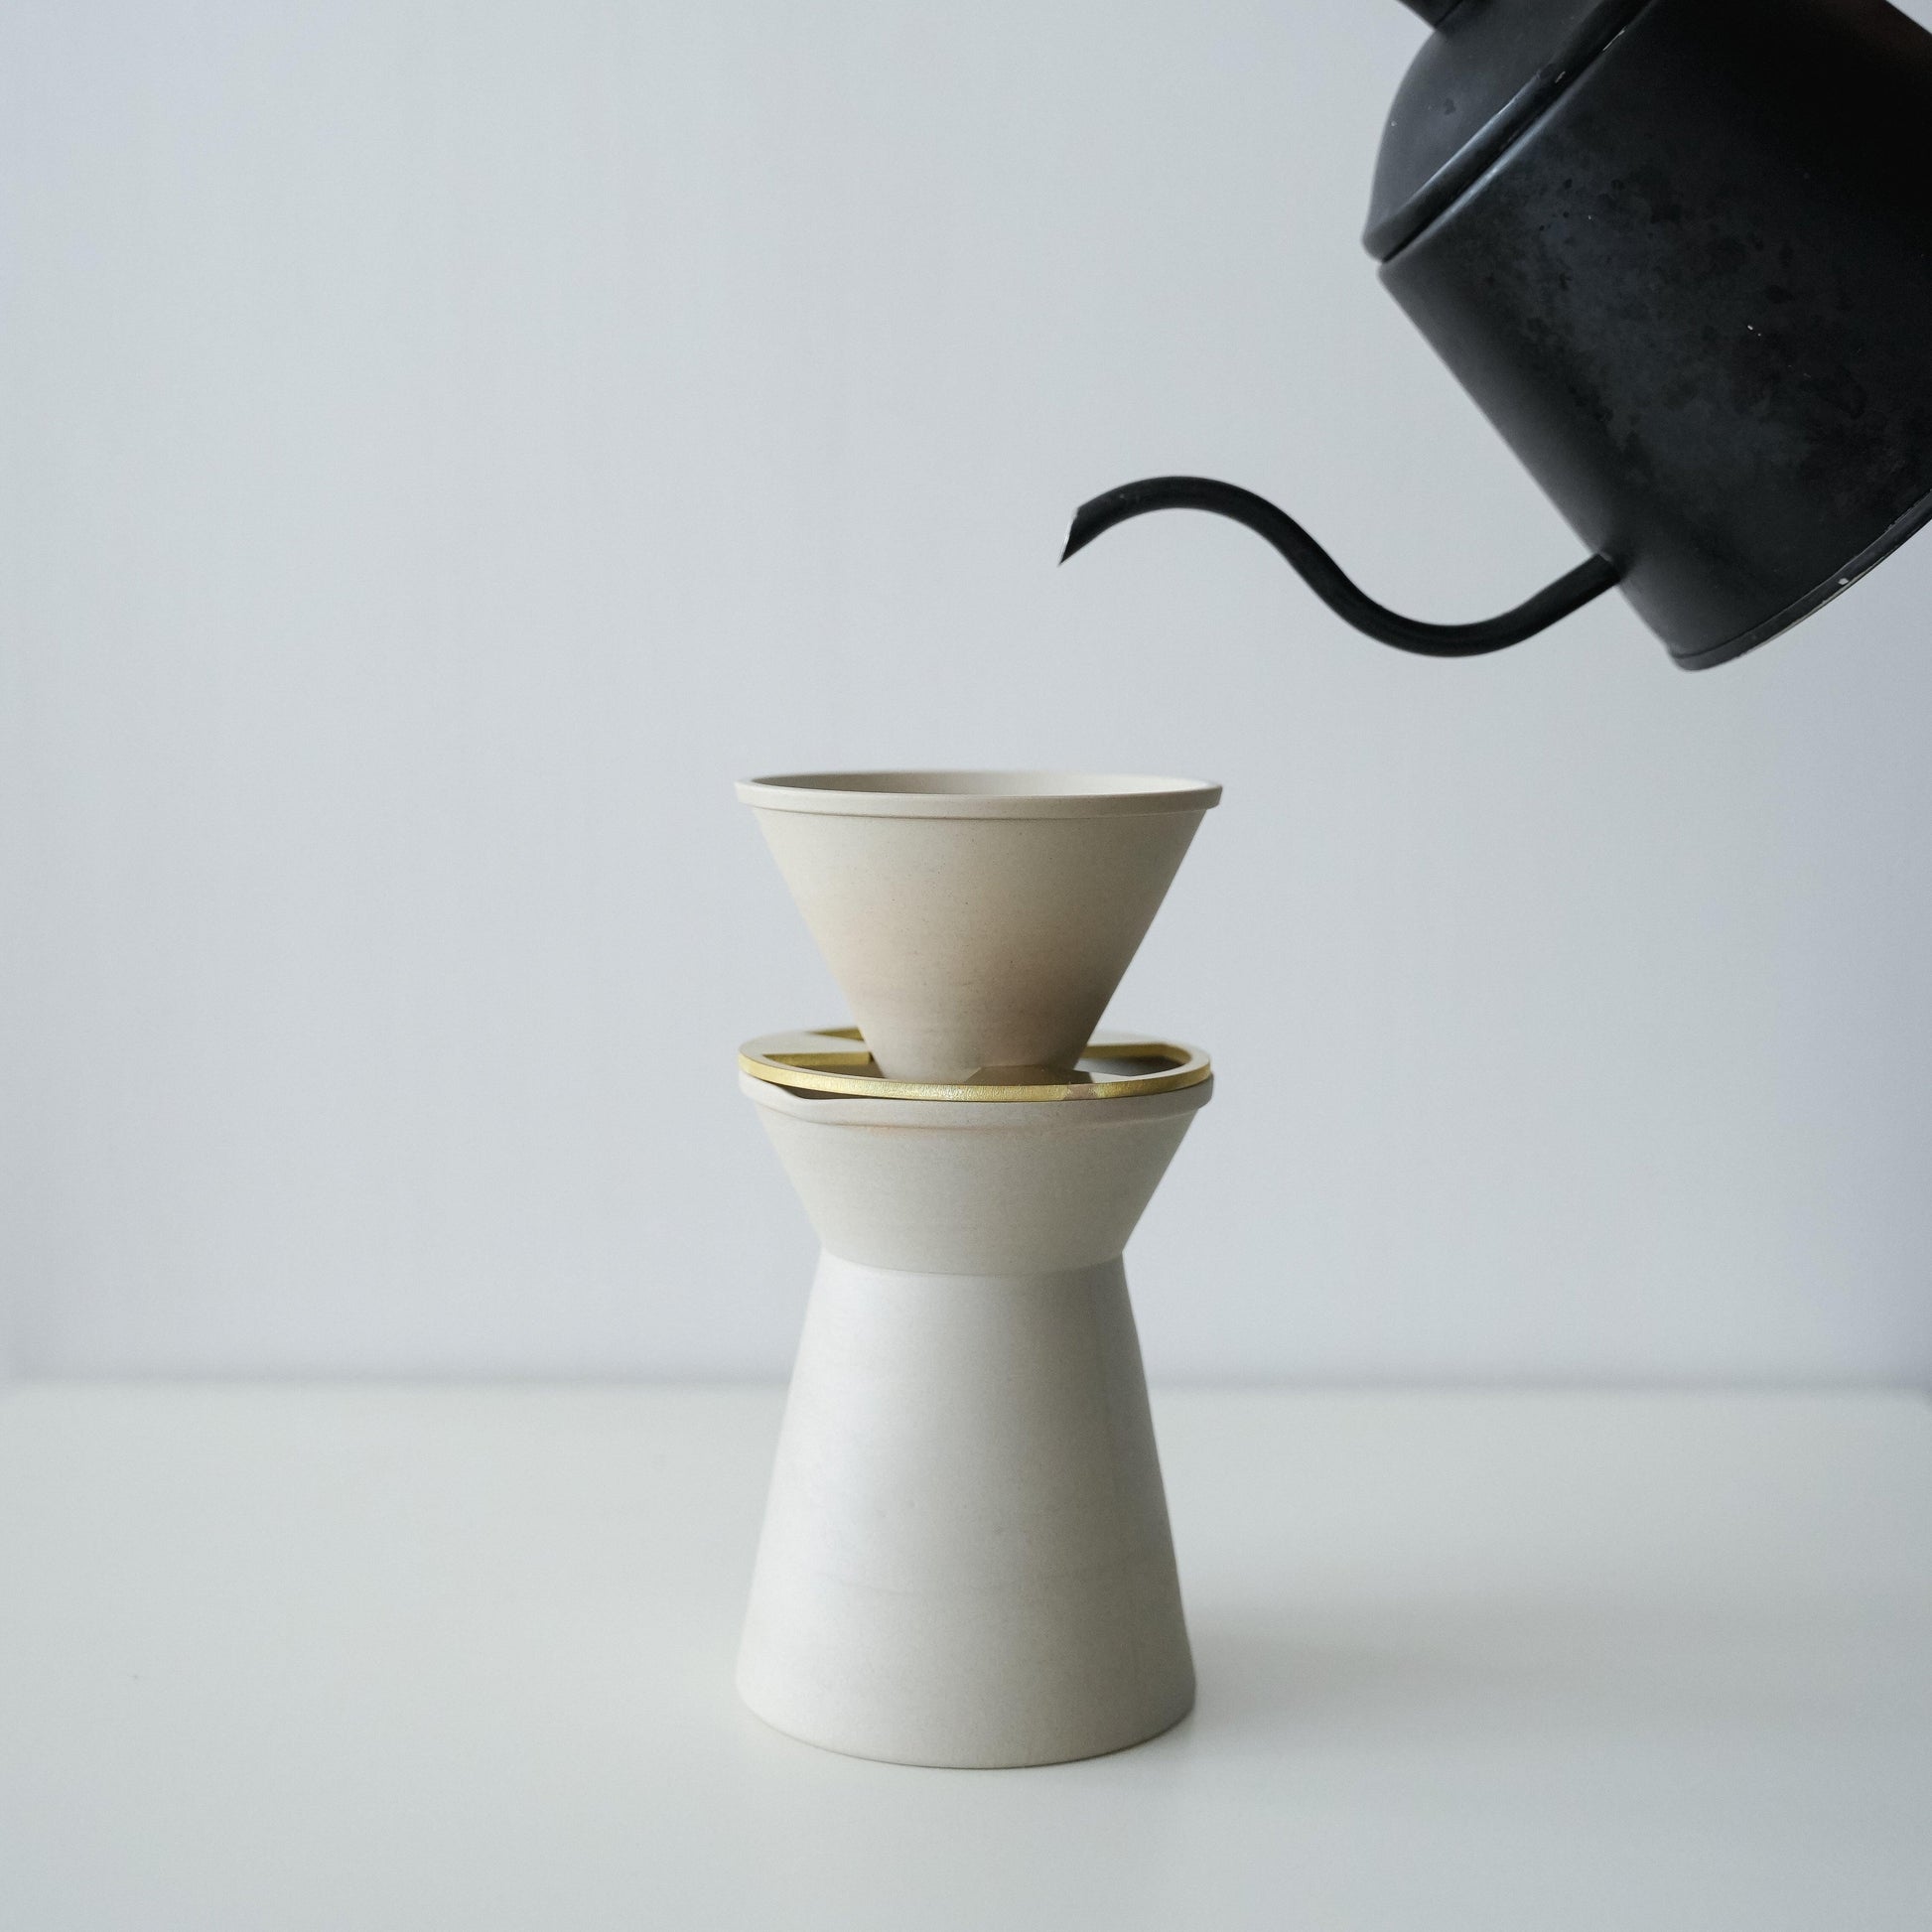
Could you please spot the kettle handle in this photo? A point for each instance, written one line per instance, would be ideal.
(1325, 577)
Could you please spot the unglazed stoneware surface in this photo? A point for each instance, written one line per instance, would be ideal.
(969, 1187)
(966, 1557)
(976, 919)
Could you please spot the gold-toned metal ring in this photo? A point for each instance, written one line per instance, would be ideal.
(835, 1060)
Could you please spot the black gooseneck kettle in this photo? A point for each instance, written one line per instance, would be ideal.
(1680, 252)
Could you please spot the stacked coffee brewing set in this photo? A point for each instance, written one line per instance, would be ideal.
(966, 1557)
(1680, 252)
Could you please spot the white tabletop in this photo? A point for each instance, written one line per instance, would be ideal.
(384, 1660)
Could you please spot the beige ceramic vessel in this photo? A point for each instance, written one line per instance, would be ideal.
(966, 1557)
(976, 920)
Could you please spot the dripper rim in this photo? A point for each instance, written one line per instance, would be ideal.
(941, 793)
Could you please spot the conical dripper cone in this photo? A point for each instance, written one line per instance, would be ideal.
(976, 919)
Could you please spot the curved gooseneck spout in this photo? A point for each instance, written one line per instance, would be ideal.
(1325, 577)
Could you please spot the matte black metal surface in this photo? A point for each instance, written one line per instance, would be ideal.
(1487, 70)
(1696, 297)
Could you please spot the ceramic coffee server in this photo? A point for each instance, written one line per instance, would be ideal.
(1680, 253)
(965, 1557)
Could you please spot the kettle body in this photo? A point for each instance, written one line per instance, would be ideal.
(1680, 254)
(1693, 293)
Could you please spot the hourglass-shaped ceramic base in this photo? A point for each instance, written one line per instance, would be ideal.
(966, 1557)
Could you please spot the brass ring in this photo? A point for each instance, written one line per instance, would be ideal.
(835, 1060)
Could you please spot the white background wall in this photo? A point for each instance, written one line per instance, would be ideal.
(443, 444)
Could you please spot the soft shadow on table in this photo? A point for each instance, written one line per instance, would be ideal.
(1286, 1675)
(1297, 1677)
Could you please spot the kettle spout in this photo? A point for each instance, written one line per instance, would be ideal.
(1325, 577)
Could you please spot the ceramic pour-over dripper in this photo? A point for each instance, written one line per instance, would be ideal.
(977, 921)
